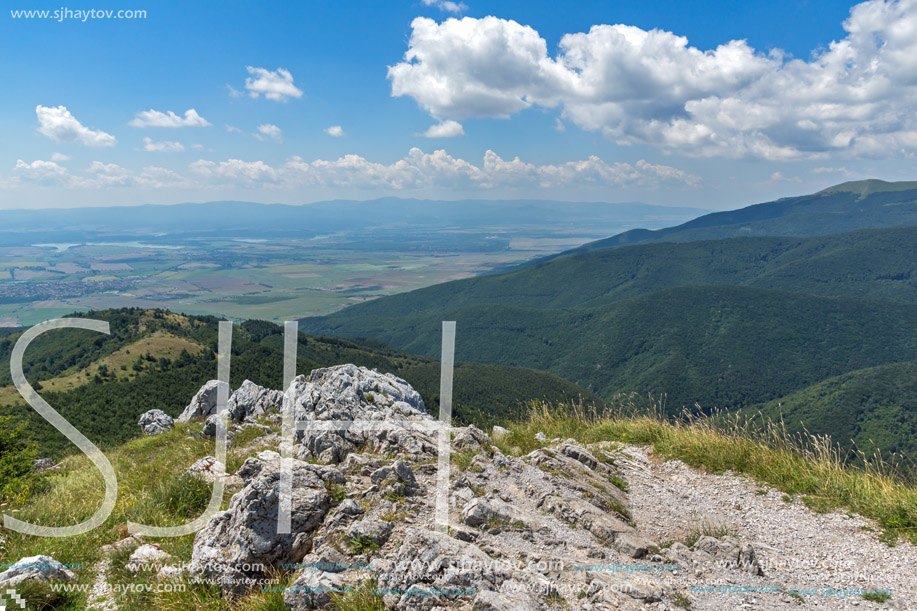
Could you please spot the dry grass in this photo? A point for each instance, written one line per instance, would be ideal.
(807, 465)
(158, 344)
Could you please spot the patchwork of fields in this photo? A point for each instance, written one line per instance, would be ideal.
(277, 280)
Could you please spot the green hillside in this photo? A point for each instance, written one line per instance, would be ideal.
(875, 408)
(878, 264)
(846, 207)
(723, 323)
(102, 384)
(719, 346)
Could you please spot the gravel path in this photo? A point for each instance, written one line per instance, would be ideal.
(796, 547)
(100, 596)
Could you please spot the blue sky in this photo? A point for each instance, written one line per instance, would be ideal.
(303, 101)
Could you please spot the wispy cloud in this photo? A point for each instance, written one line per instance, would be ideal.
(155, 118)
(269, 132)
(447, 5)
(418, 170)
(162, 147)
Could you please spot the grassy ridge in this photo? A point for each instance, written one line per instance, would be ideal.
(845, 207)
(809, 466)
(152, 490)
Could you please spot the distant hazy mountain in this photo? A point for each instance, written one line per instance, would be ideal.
(849, 206)
(390, 216)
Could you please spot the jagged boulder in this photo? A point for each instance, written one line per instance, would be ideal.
(499, 432)
(251, 401)
(326, 558)
(149, 557)
(210, 470)
(313, 589)
(478, 512)
(354, 386)
(155, 422)
(369, 533)
(348, 393)
(437, 563)
(470, 438)
(210, 425)
(203, 403)
(242, 542)
(728, 552)
(35, 568)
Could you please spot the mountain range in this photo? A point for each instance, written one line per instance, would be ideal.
(385, 216)
(701, 315)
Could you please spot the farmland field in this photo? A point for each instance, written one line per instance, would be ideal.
(242, 260)
(276, 281)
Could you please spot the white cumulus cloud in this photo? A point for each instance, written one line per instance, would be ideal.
(155, 118)
(269, 132)
(59, 157)
(416, 170)
(445, 129)
(652, 87)
(162, 147)
(275, 85)
(438, 169)
(245, 173)
(58, 124)
(43, 173)
(98, 175)
(335, 131)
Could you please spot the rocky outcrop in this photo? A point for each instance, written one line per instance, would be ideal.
(251, 401)
(155, 422)
(364, 502)
(242, 542)
(434, 567)
(210, 470)
(203, 403)
(355, 394)
(35, 568)
(149, 557)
